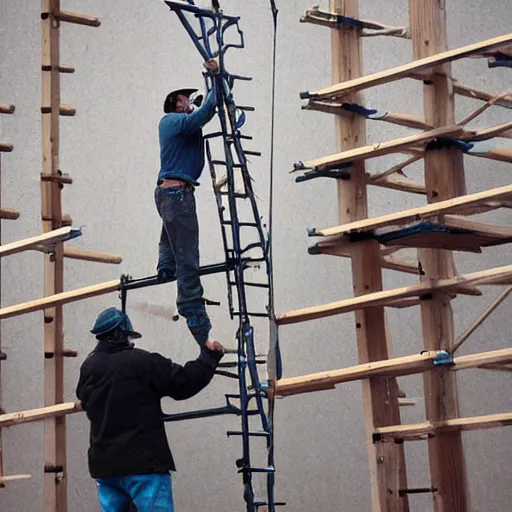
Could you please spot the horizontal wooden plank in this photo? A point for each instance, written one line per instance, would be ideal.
(499, 275)
(329, 379)
(342, 248)
(78, 18)
(379, 148)
(9, 214)
(7, 109)
(497, 154)
(51, 411)
(397, 118)
(395, 367)
(471, 92)
(76, 253)
(420, 430)
(12, 478)
(399, 72)
(400, 184)
(60, 298)
(488, 133)
(49, 238)
(507, 367)
(423, 212)
(481, 228)
(502, 356)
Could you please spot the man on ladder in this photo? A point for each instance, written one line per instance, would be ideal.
(181, 164)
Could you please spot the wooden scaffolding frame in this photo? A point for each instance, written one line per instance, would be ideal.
(56, 230)
(441, 142)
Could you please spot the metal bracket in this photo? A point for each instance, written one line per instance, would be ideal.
(443, 358)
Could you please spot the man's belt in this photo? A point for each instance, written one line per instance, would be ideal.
(175, 183)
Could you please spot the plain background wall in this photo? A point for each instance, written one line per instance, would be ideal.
(124, 69)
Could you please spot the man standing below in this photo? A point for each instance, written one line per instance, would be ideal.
(120, 389)
(181, 164)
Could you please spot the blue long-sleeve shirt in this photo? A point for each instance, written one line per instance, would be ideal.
(182, 143)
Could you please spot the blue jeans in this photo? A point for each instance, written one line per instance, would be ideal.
(178, 255)
(150, 493)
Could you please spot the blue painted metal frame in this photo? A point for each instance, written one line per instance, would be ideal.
(231, 119)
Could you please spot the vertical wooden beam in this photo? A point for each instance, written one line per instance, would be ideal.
(54, 428)
(444, 179)
(1, 401)
(380, 396)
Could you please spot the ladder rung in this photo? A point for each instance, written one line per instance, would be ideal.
(256, 285)
(241, 77)
(237, 195)
(252, 153)
(254, 245)
(229, 375)
(222, 162)
(241, 224)
(252, 434)
(234, 364)
(213, 135)
(247, 109)
(270, 469)
(260, 315)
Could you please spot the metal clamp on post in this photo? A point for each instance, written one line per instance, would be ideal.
(339, 174)
(500, 60)
(443, 358)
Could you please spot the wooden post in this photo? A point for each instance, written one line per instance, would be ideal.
(444, 179)
(380, 396)
(1, 354)
(55, 486)
(4, 109)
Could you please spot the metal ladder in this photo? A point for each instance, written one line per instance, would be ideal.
(246, 246)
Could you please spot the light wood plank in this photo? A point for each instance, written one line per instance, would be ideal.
(9, 214)
(380, 148)
(7, 109)
(76, 253)
(423, 212)
(481, 319)
(472, 92)
(399, 366)
(399, 72)
(12, 478)
(49, 238)
(499, 275)
(399, 119)
(329, 379)
(30, 415)
(78, 18)
(6, 147)
(60, 299)
(400, 184)
(380, 396)
(411, 432)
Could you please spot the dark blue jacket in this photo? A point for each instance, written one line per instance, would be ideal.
(182, 143)
(120, 388)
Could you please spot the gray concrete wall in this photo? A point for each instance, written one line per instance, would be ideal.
(123, 71)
